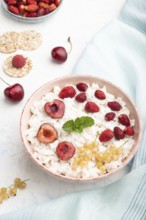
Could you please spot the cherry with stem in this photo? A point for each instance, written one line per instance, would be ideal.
(13, 93)
(59, 54)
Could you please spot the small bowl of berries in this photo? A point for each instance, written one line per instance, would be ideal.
(80, 128)
(31, 11)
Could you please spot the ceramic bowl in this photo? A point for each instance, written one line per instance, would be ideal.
(27, 19)
(116, 91)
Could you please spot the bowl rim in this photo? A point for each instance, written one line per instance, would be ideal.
(73, 179)
(29, 19)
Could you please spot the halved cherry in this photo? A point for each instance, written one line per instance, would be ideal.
(65, 150)
(55, 109)
(47, 133)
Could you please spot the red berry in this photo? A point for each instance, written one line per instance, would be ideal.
(14, 93)
(47, 11)
(91, 107)
(129, 131)
(114, 105)
(55, 109)
(13, 9)
(31, 14)
(41, 12)
(119, 133)
(18, 61)
(110, 116)
(65, 150)
(57, 2)
(82, 86)
(124, 120)
(67, 92)
(59, 54)
(106, 135)
(99, 94)
(81, 97)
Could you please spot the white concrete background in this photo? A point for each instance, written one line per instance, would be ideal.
(80, 20)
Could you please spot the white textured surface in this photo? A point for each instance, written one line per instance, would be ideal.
(80, 20)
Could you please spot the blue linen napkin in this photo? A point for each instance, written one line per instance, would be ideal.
(117, 53)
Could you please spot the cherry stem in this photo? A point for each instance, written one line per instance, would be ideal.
(25, 180)
(124, 143)
(4, 81)
(69, 41)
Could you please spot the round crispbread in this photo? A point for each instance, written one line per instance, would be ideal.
(9, 42)
(29, 40)
(16, 72)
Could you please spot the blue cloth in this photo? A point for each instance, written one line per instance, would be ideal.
(117, 53)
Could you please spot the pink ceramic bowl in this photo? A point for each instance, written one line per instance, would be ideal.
(74, 80)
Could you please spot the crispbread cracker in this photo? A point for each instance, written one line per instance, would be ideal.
(16, 72)
(29, 40)
(9, 42)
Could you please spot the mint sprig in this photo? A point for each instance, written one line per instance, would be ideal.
(78, 125)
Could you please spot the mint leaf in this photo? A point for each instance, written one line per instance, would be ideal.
(84, 122)
(78, 129)
(69, 126)
(78, 125)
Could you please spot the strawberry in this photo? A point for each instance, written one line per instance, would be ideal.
(114, 105)
(110, 116)
(46, 11)
(31, 2)
(13, 9)
(129, 131)
(31, 14)
(81, 97)
(57, 2)
(82, 86)
(43, 5)
(119, 134)
(31, 8)
(18, 61)
(12, 2)
(99, 94)
(52, 7)
(106, 135)
(21, 8)
(41, 12)
(124, 120)
(91, 107)
(67, 92)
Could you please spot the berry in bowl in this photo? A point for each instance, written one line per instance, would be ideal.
(31, 11)
(80, 128)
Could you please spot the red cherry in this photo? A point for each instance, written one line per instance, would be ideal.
(55, 109)
(14, 93)
(65, 150)
(59, 54)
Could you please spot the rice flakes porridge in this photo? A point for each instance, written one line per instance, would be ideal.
(80, 131)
